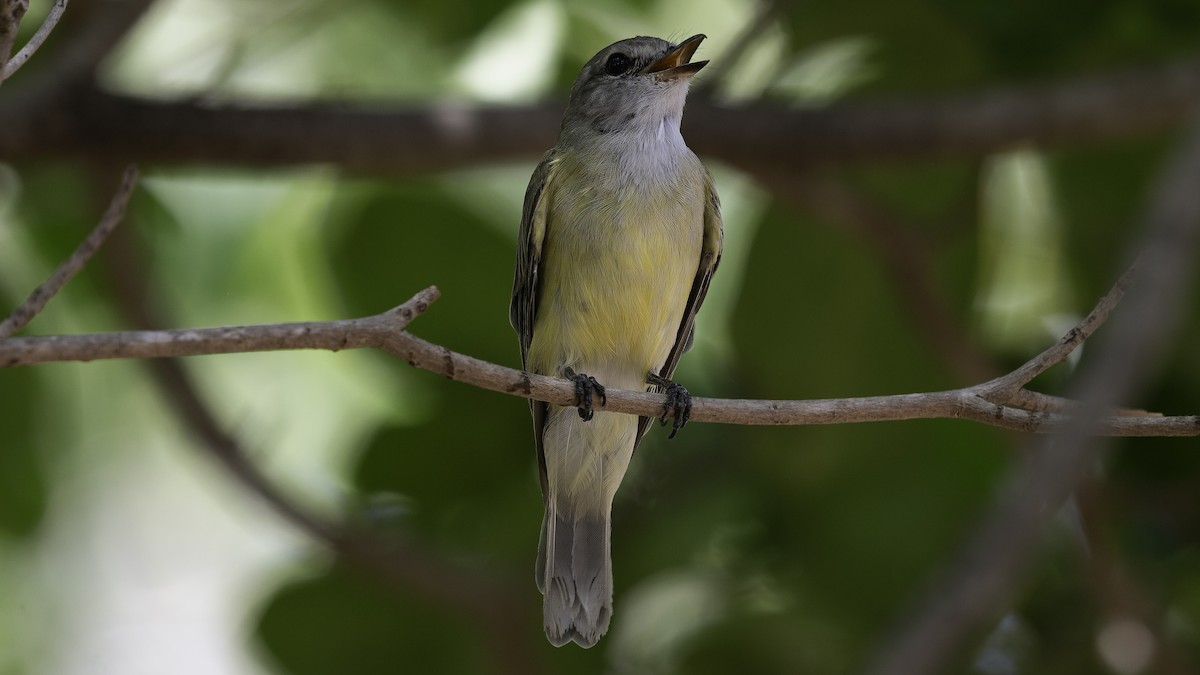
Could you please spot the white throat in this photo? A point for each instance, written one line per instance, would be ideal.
(651, 149)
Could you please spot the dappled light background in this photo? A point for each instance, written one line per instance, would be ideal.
(123, 549)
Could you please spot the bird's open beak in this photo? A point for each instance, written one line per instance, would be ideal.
(677, 62)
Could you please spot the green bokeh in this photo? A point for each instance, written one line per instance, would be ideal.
(811, 540)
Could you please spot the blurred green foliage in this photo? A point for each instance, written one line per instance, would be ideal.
(800, 545)
(321, 607)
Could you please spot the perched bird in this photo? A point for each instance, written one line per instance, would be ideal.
(620, 236)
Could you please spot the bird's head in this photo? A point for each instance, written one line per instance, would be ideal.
(633, 83)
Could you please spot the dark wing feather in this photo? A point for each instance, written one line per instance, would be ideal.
(710, 257)
(522, 309)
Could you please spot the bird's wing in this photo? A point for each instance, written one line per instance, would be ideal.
(710, 257)
(522, 309)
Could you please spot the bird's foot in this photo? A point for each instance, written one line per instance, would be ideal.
(678, 399)
(586, 388)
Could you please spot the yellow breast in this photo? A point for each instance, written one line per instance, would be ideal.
(618, 262)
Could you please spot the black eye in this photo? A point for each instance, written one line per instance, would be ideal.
(617, 64)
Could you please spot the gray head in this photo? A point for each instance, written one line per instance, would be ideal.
(631, 84)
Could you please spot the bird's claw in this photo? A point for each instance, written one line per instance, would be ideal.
(678, 399)
(586, 388)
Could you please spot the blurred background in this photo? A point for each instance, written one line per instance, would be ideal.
(125, 549)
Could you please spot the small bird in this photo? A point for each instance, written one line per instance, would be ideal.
(620, 237)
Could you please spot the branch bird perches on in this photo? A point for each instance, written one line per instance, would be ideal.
(1002, 402)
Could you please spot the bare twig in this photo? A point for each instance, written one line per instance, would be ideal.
(386, 332)
(113, 216)
(1055, 354)
(981, 583)
(56, 11)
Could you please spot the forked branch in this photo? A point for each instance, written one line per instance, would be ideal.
(997, 403)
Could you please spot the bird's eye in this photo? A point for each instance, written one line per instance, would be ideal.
(617, 64)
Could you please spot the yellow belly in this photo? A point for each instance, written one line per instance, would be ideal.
(615, 276)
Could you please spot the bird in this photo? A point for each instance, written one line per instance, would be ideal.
(620, 237)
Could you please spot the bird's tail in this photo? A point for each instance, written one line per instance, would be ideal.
(574, 572)
(585, 463)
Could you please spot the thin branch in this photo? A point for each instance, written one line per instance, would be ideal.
(386, 332)
(1059, 351)
(982, 581)
(84, 121)
(1038, 402)
(43, 32)
(37, 300)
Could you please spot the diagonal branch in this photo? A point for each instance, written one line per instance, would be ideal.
(1119, 594)
(406, 567)
(482, 600)
(37, 300)
(982, 581)
(1059, 351)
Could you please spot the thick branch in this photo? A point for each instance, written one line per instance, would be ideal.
(89, 122)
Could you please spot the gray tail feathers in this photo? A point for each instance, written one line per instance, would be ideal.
(574, 574)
